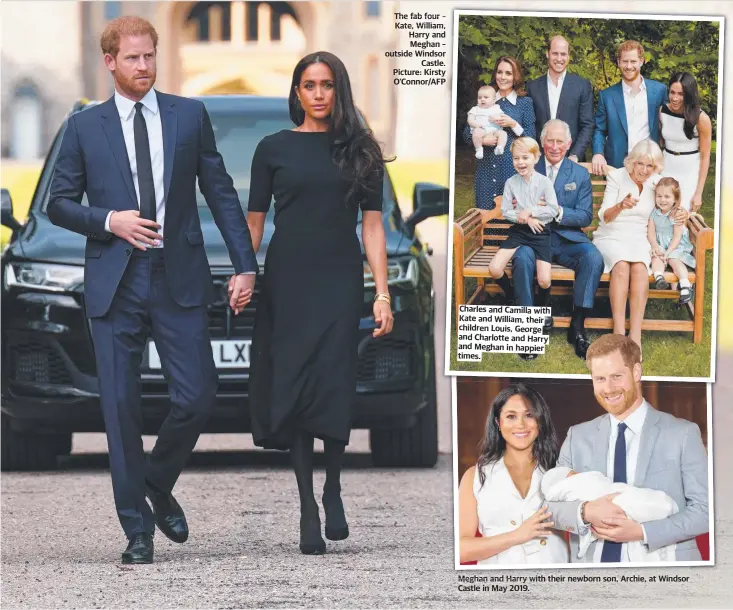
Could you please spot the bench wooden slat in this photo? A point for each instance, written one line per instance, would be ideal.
(475, 241)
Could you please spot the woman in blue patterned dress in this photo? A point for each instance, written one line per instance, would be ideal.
(518, 120)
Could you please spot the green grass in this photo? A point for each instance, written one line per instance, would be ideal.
(669, 354)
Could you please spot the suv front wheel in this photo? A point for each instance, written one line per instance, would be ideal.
(29, 451)
(411, 447)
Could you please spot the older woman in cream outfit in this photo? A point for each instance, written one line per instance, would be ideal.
(501, 495)
(621, 235)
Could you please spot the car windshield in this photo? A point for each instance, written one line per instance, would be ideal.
(237, 136)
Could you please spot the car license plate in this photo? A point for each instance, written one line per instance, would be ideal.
(228, 354)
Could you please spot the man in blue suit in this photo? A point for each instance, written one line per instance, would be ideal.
(628, 111)
(571, 247)
(137, 157)
(565, 96)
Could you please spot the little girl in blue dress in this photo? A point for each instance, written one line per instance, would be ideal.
(670, 242)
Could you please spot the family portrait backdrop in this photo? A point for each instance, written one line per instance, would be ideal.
(670, 46)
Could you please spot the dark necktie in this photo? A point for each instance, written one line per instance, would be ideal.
(144, 165)
(612, 550)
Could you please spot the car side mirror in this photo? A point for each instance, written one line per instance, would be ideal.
(428, 200)
(6, 212)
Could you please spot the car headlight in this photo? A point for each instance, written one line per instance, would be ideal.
(399, 273)
(40, 276)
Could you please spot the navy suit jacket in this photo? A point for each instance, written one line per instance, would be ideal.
(575, 196)
(575, 108)
(611, 138)
(93, 159)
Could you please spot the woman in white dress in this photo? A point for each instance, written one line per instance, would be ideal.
(686, 135)
(501, 496)
(621, 239)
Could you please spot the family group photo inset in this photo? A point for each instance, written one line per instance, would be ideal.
(585, 179)
(579, 473)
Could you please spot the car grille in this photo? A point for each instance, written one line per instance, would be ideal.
(386, 359)
(35, 362)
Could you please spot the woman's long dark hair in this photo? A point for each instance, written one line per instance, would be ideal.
(355, 150)
(691, 100)
(493, 446)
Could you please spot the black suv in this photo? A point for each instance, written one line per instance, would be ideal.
(49, 384)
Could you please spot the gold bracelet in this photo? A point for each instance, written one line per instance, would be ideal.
(383, 296)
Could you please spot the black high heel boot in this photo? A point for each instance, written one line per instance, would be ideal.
(336, 526)
(301, 454)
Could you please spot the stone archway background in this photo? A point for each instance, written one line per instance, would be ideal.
(263, 67)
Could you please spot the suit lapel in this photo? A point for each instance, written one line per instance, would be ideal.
(651, 107)
(545, 99)
(562, 178)
(618, 95)
(649, 434)
(169, 124)
(113, 130)
(563, 95)
(600, 447)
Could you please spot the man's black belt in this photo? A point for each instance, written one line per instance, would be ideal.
(688, 152)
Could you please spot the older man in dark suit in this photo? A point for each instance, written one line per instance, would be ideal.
(561, 95)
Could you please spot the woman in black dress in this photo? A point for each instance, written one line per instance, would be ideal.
(304, 349)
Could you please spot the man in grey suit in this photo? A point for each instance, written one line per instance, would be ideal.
(561, 95)
(635, 444)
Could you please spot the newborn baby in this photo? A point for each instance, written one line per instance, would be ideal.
(562, 484)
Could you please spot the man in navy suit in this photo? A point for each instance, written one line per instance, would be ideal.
(137, 157)
(571, 247)
(628, 111)
(561, 95)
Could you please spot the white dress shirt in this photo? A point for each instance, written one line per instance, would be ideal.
(553, 92)
(637, 113)
(502, 509)
(151, 114)
(512, 98)
(553, 177)
(632, 434)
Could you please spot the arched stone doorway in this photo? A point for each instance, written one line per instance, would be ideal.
(234, 47)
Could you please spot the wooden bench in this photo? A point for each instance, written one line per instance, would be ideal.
(476, 238)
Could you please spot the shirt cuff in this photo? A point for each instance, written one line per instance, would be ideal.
(643, 531)
(582, 527)
(247, 273)
(106, 222)
(518, 129)
(558, 218)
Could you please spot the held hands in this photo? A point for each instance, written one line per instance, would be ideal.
(490, 139)
(598, 163)
(128, 225)
(241, 288)
(383, 317)
(537, 526)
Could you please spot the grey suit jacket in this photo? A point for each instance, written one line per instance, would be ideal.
(672, 459)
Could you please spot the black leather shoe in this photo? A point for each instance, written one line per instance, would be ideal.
(548, 324)
(140, 549)
(529, 356)
(579, 341)
(169, 515)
